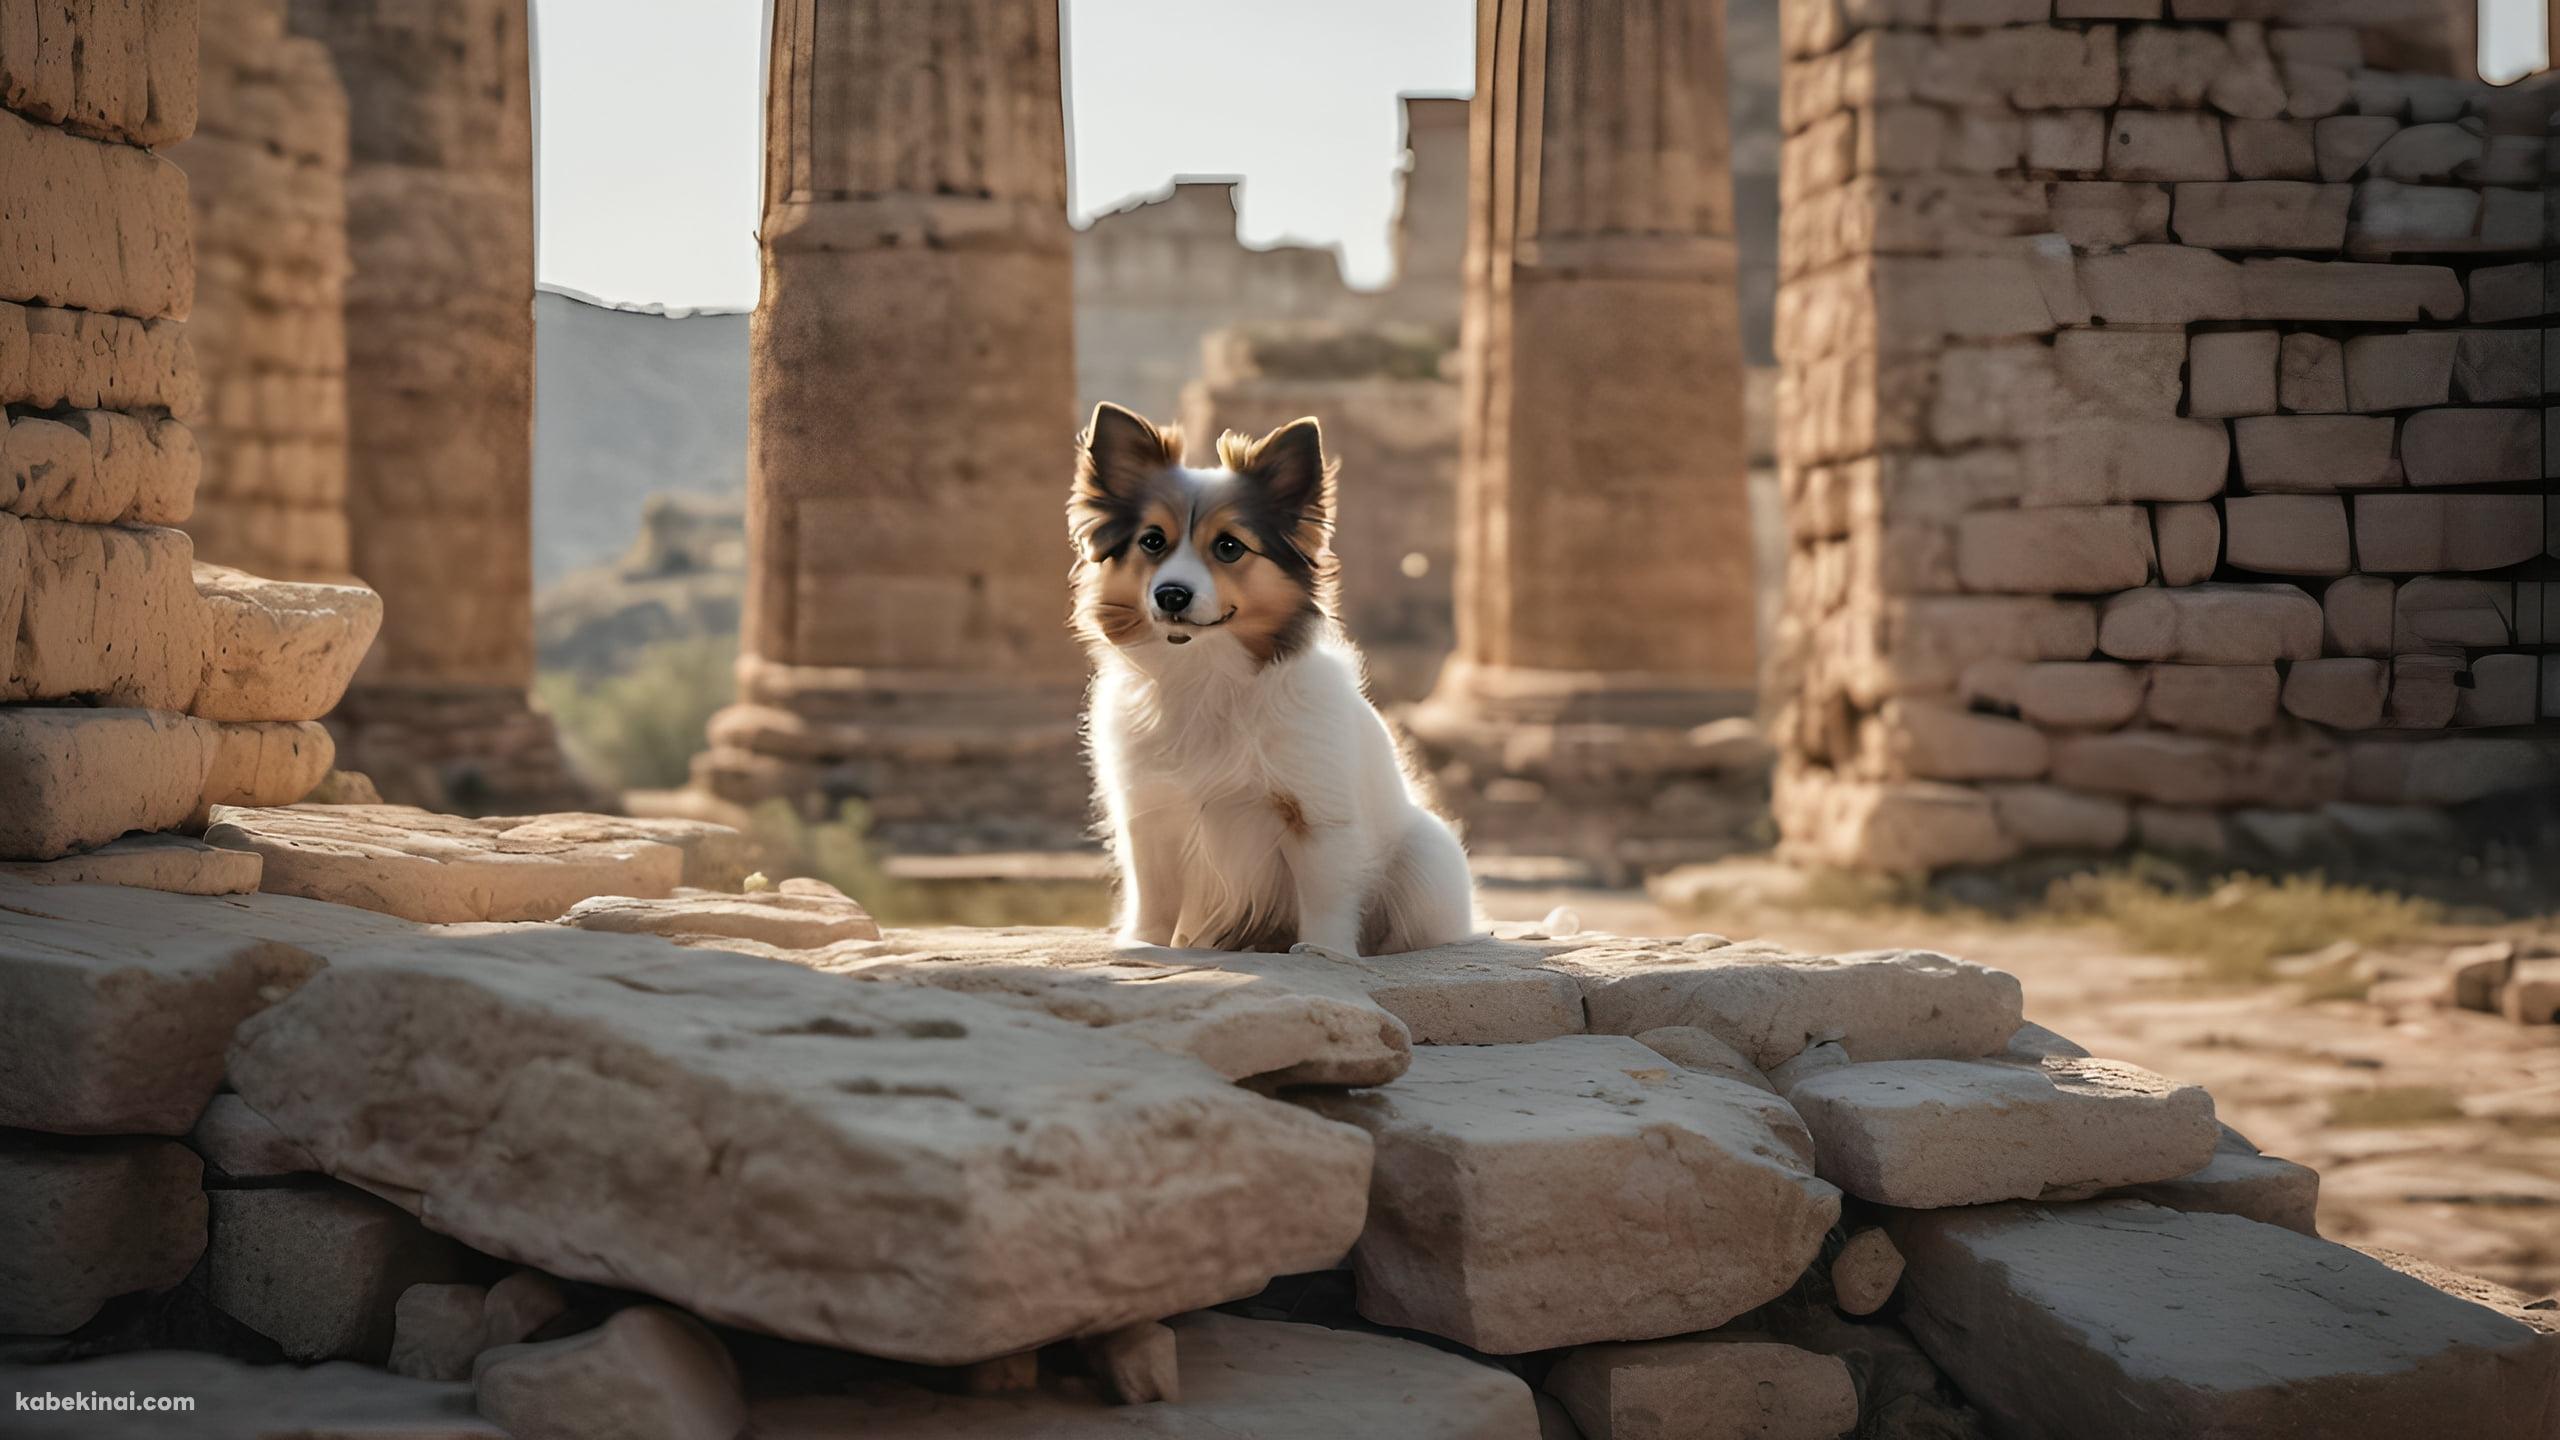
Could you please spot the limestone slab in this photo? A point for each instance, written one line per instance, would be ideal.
(103, 68)
(92, 225)
(441, 869)
(240, 1401)
(265, 763)
(2238, 1180)
(279, 649)
(1737, 1388)
(1266, 1379)
(320, 1269)
(54, 359)
(149, 861)
(2212, 625)
(965, 1180)
(648, 1371)
(72, 779)
(2117, 1320)
(121, 1003)
(110, 617)
(99, 467)
(777, 918)
(82, 1222)
(1770, 1004)
(1927, 1133)
(1289, 1019)
(1575, 1190)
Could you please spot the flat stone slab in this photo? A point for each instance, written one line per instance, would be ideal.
(151, 861)
(2238, 1180)
(1266, 1379)
(1289, 1019)
(82, 1222)
(1770, 1004)
(279, 649)
(74, 779)
(1926, 1133)
(238, 1401)
(121, 1003)
(2116, 1320)
(1482, 991)
(886, 1168)
(442, 869)
(778, 918)
(1717, 1385)
(1576, 1190)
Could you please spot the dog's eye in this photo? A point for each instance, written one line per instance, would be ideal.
(1227, 548)
(1152, 542)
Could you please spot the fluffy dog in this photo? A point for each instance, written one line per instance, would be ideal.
(1255, 799)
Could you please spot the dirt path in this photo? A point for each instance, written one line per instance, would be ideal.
(2435, 1131)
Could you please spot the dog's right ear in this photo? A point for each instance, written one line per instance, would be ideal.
(1118, 453)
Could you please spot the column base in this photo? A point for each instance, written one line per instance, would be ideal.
(459, 749)
(939, 764)
(1628, 774)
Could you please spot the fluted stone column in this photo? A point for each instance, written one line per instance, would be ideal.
(1604, 560)
(912, 403)
(439, 321)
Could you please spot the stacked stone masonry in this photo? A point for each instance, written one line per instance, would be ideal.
(1048, 1185)
(266, 177)
(2168, 448)
(139, 688)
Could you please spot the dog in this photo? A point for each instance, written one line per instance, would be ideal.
(1255, 799)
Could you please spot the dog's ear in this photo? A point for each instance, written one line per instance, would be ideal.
(1290, 469)
(1119, 451)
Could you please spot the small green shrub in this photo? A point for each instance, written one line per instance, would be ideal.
(640, 729)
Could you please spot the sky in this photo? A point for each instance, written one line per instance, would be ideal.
(650, 116)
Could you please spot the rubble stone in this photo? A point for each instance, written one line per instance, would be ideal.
(1138, 1364)
(1865, 1271)
(82, 1222)
(2240, 1181)
(2287, 534)
(1673, 1389)
(648, 1371)
(2212, 625)
(2344, 693)
(782, 920)
(320, 1270)
(1932, 1133)
(993, 1145)
(1558, 1137)
(2232, 372)
(2416, 534)
(2202, 1324)
(2212, 699)
(238, 1143)
(2315, 452)
(2400, 372)
(436, 1331)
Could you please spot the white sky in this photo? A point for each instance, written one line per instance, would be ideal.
(650, 115)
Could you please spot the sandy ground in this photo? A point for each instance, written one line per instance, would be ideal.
(2339, 1085)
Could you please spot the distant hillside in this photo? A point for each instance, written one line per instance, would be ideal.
(628, 403)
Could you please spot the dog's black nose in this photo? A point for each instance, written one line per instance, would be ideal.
(1173, 599)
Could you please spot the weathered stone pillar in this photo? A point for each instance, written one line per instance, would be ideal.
(912, 402)
(1604, 558)
(439, 320)
(267, 187)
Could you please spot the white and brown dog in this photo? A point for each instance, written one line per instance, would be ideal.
(1256, 801)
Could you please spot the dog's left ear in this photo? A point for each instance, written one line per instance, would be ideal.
(1115, 456)
(1290, 468)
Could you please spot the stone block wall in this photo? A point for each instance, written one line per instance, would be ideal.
(1390, 417)
(267, 181)
(2164, 431)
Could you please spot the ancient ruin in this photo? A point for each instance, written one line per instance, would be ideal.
(905, 640)
(2163, 440)
(439, 335)
(335, 1117)
(1604, 597)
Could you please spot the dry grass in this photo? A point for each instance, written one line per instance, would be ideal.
(2236, 927)
(839, 851)
(2394, 1105)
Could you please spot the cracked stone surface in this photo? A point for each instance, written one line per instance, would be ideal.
(1927, 1133)
(441, 869)
(149, 861)
(892, 1169)
(2117, 1320)
(1267, 1379)
(1574, 1190)
(778, 918)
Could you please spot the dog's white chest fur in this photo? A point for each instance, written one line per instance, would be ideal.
(1258, 806)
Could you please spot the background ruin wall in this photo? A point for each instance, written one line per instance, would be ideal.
(2163, 434)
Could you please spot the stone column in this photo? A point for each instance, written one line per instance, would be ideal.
(912, 401)
(267, 187)
(439, 320)
(1604, 559)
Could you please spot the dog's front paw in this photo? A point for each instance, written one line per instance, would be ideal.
(1309, 947)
